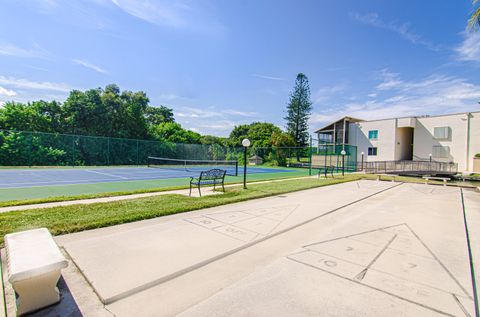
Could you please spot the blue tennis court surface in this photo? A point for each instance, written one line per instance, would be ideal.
(18, 178)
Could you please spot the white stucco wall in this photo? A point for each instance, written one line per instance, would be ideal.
(385, 143)
(424, 138)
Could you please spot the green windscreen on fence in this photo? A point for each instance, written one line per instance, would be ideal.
(50, 149)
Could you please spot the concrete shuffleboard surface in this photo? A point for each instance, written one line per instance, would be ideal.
(123, 260)
(358, 248)
(405, 256)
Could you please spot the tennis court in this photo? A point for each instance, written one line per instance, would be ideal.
(21, 178)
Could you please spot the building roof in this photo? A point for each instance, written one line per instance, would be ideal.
(330, 125)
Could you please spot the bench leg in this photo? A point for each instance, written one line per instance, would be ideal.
(223, 187)
(38, 292)
(190, 194)
(214, 186)
(199, 192)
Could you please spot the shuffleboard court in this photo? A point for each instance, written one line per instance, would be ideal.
(23, 178)
(360, 248)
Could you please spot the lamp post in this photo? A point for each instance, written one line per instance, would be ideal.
(246, 144)
(362, 159)
(430, 165)
(343, 162)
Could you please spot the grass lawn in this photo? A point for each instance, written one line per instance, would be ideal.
(67, 219)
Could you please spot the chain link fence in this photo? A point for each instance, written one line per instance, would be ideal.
(20, 148)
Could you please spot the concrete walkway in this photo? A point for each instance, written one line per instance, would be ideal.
(361, 248)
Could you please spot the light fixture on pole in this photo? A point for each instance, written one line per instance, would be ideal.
(343, 161)
(430, 156)
(363, 153)
(245, 144)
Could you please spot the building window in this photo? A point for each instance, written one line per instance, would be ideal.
(439, 151)
(441, 133)
(372, 151)
(373, 134)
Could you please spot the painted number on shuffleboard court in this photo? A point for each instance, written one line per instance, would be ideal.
(329, 263)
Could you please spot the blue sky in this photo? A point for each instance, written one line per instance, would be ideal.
(222, 63)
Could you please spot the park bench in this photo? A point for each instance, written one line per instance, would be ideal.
(326, 170)
(444, 179)
(34, 264)
(379, 177)
(211, 177)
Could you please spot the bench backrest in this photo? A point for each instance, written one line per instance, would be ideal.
(31, 253)
(213, 174)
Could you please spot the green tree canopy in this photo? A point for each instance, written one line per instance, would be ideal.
(158, 115)
(259, 133)
(173, 132)
(298, 111)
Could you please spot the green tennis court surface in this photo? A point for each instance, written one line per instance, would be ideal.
(36, 183)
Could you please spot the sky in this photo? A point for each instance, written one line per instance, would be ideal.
(218, 64)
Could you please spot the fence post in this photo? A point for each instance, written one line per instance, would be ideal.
(30, 149)
(138, 163)
(73, 151)
(108, 151)
(310, 158)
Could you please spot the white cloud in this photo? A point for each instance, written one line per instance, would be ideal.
(89, 65)
(9, 49)
(222, 125)
(269, 77)
(179, 14)
(239, 113)
(191, 112)
(6, 92)
(435, 94)
(325, 93)
(389, 80)
(402, 29)
(469, 50)
(28, 84)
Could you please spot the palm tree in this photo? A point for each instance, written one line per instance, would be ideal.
(474, 21)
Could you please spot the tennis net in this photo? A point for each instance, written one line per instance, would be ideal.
(193, 165)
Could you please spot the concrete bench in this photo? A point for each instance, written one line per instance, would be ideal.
(34, 264)
(379, 176)
(444, 179)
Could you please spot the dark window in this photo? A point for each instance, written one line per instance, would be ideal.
(372, 151)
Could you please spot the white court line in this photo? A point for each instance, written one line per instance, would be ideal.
(106, 174)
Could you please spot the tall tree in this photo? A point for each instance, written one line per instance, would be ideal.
(298, 111)
(474, 21)
(158, 115)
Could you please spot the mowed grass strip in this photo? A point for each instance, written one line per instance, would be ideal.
(68, 219)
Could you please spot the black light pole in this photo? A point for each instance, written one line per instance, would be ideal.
(362, 160)
(246, 144)
(430, 165)
(343, 162)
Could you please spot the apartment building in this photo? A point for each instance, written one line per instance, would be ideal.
(445, 138)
